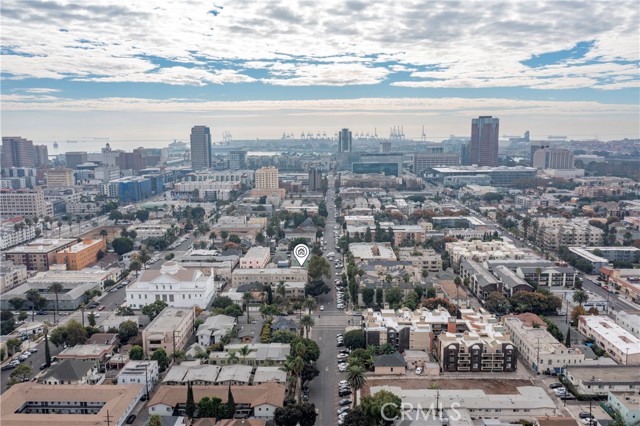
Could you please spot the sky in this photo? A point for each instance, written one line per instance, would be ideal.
(146, 71)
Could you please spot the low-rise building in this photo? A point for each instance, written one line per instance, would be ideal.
(601, 379)
(193, 372)
(408, 234)
(481, 281)
(214, 329)
(269, 375)
(627, 404)
(177, 286)
(256, 258)
(144, 372)
(622, 346)
(268, 276)
(260, 354)
(234, 375)
(72, 372)
(538, 348)
(477, 351)
(371, 251)
(630, 321)
(389, 365)
(510, 283)
(82, 254)
(33, 404)
(480, 251)
(150, 229)
(16, 231)
(11, 276)
(170, 330)
(38, 254)
(96, 352)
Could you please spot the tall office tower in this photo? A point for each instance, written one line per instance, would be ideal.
(109, 156)
(315, 179)
(75, 158)
(237, 160)
(41, 155)
(266, 178)
(385, 147)
(534, 148)
(200, 147)
(553, 158)
(17, 152)
(484, 141)
(344, 140)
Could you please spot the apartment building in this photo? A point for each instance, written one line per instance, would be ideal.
(408, 234)
(487, 351)
(622, 346)
(543, 272)
(480, 251)
(538, 348)
(601, 379)
(262, 354)
(170, 330)
(271, 276)
(214, 329)
(146, 230)
(16, 231)
(422, 258)
(60, 178)
(481, 282)
(555, 232)
(144, 372)
(24, 203)
(510, 283)
(11, 275)
(267, 183)
(38, 254)
(630, 321)
(256, 258)
(82, 254)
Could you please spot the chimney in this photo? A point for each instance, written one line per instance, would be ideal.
(451, 325)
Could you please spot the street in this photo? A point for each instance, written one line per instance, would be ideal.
(34, 361)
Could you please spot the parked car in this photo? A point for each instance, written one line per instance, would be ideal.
(343, 410)
(555, 385)
(131, 419)
(345, 392)
(419, 371)
(584, 415)
(9, 366)
(345, 401)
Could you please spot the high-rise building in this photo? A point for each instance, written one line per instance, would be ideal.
(60, 178)
(75, 158)
(344, 140)
(267, 178)
(109, 156)
(385, 147)
(17, 152)
(534, 147)
(553, 158)
(238, 160)
(484, 141)
(424, 161)
(200, 147)
(41, 155)
(315, 179)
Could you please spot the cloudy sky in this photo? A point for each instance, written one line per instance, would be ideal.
(149, 70)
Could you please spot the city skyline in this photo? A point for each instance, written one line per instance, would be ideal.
(141, 72)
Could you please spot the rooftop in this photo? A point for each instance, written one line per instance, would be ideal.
(41, 245)
(268, 393)
(624, 341)
(168, 320)
(83, 245)
(601, 374)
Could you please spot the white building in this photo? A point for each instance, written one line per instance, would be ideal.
(24, 203)
(268, 275)
(145, 373)
(173, 284)
(11, 235)
(622, 346)
(481, 251)
(11, 275)
(630, 321)
(214, 329)
(147, 230)
(256, 258)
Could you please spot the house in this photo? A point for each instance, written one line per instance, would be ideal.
(214, 329)
(283, 324)
(72, 372)
(103, 339)
(260, 354)
(192, 372)
(389, 364)
(143, 372)
(269, 375)
(236, 374)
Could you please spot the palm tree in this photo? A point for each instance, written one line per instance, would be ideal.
(179, 356)
(310, 304)
(457, 281)
(82, 308)
(233, 357)
(306, 322)
(580, 297)
(297, 306)
(295, 365)
(281, 290)
(247, 298)
(244, 352)
(56, 288)
(59, 228)
(104, 233)
(356, 379)
(33, 296)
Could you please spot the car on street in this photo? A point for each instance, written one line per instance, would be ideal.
(345, 392)
(343, 410)
(342, 356)
(41, 313)
(343, 383)
(584, 415)
(340, 306)
(322, 307)
(555, 385)
(419, 371)
(344, 401)
(9, 366)
(131, 419)
(339, 344)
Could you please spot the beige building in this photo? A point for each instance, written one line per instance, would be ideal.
(170, 330)
(60, 178)
(24, 203)
(421, 258)
(38, 254)
(256, 258)
(539, 349)
(11, 275)
(555, 232)
(267, 183)
(622, 346)
(480, 251)
(268, 276)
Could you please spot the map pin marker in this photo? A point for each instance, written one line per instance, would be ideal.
(301, 253)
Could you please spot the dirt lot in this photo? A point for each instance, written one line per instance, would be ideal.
(94, 233)
(490, 386)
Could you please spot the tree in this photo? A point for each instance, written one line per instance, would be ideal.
(284, 336)
(33, 296)
(318, 267)
(567, 339)
(458, 282)
(306, 322)
(230, 408)
(247, 298)
(497, 303)
(367, 296)
(122, 245)
(232, 311)
(354, 339)
(356, 379)
(142, 215)
(92, 319)
(580, 297)
(124, 311)
(127, 330)
(103, 233)
(56, 288)
(393, 296)
(357, 418)
(155, 420)
(244, 352)
(295, 365)
(179, 355)
(136, 353)
(310, 304)
(209, 407)
(17, 303)
(153, 310)
(47, 350)
(316, 288)
(161, 356)
(309, 372)
(381, 406)
(221, 302)
(190, 406)
(21, 373)
(379, 296)
(13, 345)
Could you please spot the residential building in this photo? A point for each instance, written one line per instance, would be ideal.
(177, 286)
(480, 251)
(389, 365)
(344, 141)
(481, 281)
(41, 156)
(596, 261)
(269, 375)
(11, 276)
(622, 346)
(425, 161)
(555, 232)
(371, 251)
(599, 380)
(423, 258)
(27, 203)
(627, 404)
(256, 258)
(209, 190)
(268, 276)
(200, 147)
(258, 401)
(484, 141)
(214, 329)
(234, 375)
(91, 353)
(38, 254)
(408, 235)
(237, 160)
(553, 158)
(170, 330)
(144, 372)
(528, 401)
(510, 283)
(16, 231)
(193, 372)
(150, 229)
(72, 372)
(261, 354)
(60, 178)
(17, 152)
(82, 254)
(133, 189)
(488, 350)
(267, 183)
(630, 321)
(33, 404)
(315, 179)
(538, 348)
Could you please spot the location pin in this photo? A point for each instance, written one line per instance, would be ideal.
(301, 252)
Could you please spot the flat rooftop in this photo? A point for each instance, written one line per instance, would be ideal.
(626, 342)
(169, 319)
(41, 245)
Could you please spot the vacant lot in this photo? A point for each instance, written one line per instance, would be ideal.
(489, 386)
(94, 233)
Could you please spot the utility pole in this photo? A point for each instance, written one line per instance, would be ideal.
(108, 419)
(174, 341)
(146, 379)
(538, 357)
